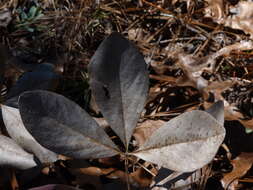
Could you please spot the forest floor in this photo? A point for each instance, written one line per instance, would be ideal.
(198, 52)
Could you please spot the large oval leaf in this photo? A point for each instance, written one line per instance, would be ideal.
(42, 78)
(62, 126)
(18, 132)
(13, 155)
(119, 83)
(185, 143)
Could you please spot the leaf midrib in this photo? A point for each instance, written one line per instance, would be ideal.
(79, 132)
(199, 139)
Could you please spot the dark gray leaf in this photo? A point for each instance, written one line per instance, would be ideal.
(54, 187)
(217, 111)
(3, 59)
(119, 83)
(12, 102)
(63, 127)
(42, 78)
(18, 64)
(13, 155)
(18, 132)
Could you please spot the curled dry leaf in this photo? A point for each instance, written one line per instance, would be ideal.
(18, 132)
(241, 165)
(180, 139)
(193, 68)
(217, 87)
(196, 65)
(215, 10)
(232, 113)
(13, 155)
(243, 17)
(135, 34)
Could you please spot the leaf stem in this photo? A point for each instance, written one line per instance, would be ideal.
(126, 171)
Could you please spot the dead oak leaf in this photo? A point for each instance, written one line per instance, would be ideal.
(146, 129)
(241, 165)
(215, 10)
(243, 17)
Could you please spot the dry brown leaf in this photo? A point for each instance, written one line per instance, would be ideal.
(196, 65)
(14, 182)
(193, 68)
(231, 113)
(243, 19)
(241, 165)
(90, 175)
(153, 93)
(215, 10)
(218, 87)
(163, 78)
(145, 130)
(141, 177)
(110, 161)
(204, 86)
(102, 122)
(159, 67)
(118, 174)
(135, 34)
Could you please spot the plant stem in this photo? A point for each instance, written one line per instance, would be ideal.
(126, 171)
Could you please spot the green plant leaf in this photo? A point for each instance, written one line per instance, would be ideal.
(32, 12)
